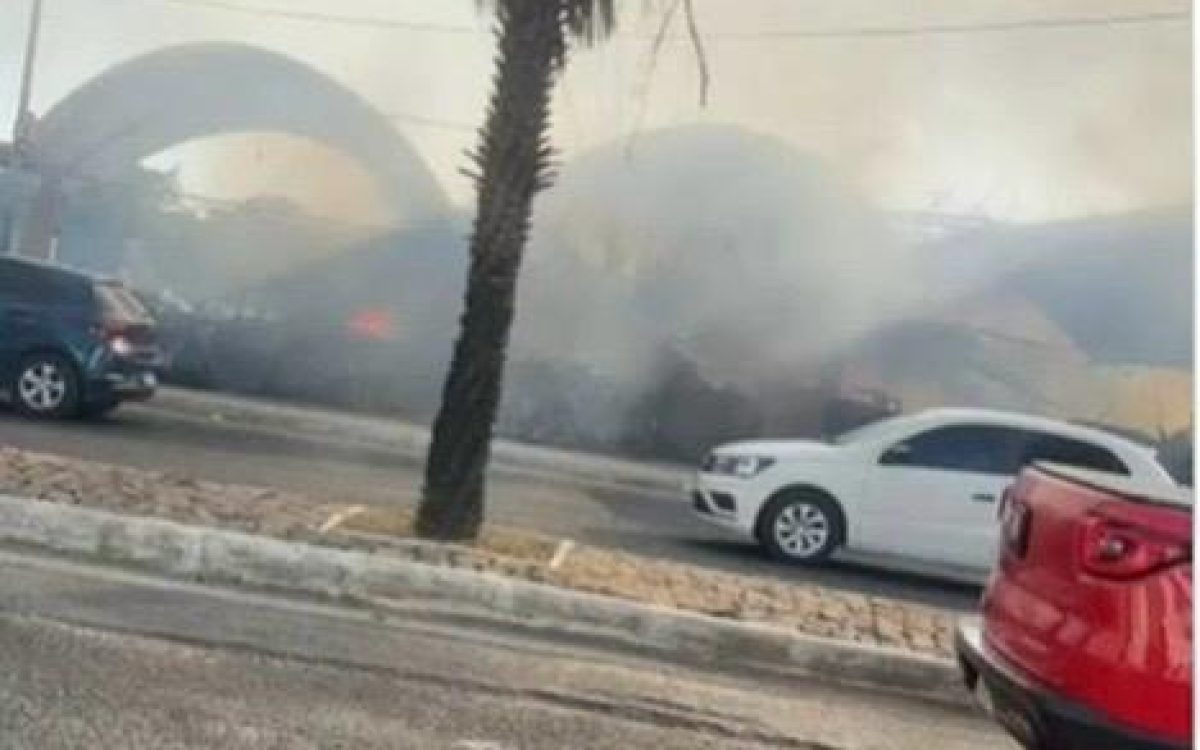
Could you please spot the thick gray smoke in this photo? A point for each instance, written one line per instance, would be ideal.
(679, 281)
(759, 271)
(703, 287)
(725, 245)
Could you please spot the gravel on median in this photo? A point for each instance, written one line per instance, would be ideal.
(810, 609)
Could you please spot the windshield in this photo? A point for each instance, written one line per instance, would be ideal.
(865, 432)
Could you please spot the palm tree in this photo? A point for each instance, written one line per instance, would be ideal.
(514, 164)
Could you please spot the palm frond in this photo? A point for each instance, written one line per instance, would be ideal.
(589, 21)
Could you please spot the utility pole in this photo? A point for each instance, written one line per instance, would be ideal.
(14, 227)
(21, 124)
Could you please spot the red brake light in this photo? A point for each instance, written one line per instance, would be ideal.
(109, 328)
(1119, 550)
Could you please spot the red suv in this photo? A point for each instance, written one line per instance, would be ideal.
(1086, 636)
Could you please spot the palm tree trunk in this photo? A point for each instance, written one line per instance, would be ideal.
(514, 164)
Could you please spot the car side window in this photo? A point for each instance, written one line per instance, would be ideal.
(14, 281)
(983, 449)
(40, 287)
(1071, 452)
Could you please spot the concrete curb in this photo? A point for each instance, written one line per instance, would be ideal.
(412, 440)
(208, 554)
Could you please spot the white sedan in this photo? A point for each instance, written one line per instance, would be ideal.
(922, 486)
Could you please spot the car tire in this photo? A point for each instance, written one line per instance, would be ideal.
(801, 526)
(46, 386)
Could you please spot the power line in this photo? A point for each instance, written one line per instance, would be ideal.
(1021, 24)
(863, 32)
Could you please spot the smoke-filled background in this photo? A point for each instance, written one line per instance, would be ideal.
(881, 206)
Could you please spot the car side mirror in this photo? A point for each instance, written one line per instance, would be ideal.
(897, 455)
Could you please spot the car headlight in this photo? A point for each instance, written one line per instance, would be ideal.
(738, 465)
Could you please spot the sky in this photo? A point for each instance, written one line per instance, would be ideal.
(1022, 124)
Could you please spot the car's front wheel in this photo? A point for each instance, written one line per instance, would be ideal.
(46, 387)
(801, 527)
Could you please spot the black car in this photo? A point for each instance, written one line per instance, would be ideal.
(72, 344)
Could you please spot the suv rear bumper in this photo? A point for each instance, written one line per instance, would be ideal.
(112, 378)
(1036, 717)
(123, 386)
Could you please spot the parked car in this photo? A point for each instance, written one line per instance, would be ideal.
(1086, 634)
(72, 344)
(922, 486)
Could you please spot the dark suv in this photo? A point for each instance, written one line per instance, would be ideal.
(72, 344)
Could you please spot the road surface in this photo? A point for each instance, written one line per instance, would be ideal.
(101, 658)
(159, 436)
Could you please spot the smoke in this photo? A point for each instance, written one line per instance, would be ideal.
(715, 256)
(321, 180)
(723, 244)
(1033, 124)
(707, 287)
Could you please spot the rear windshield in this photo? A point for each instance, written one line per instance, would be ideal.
(121, 305)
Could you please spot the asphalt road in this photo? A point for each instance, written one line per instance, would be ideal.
(101, 658)
(160, 437)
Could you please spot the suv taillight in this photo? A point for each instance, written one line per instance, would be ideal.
(115, 335)
(1118, 549)
(109, 328)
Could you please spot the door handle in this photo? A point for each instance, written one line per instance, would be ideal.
(983, 497)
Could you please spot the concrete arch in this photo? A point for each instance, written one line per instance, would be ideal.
(170, 96)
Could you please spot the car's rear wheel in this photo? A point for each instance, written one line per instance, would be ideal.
(801, 527)
(46, 387)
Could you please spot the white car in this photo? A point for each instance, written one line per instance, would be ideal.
(922, 486)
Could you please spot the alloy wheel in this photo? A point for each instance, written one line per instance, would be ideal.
(802, 529)
(42, 386)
